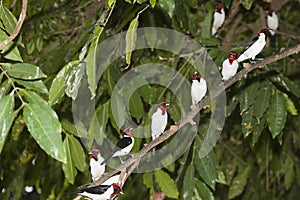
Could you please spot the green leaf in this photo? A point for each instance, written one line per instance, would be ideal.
(248, 121)
(78, 154)
(152, 3)
(10, 51)
(247, 3)
(262, 99)
(239, 182)
(166, 184)
(45, 129)
(168, 5)
(8, 20)
(289, 171)
(209, 42)
(131, 38)
(5, 87)
(287, 84)
(248, 96)
(98, 124)
(38, 85)
(203, 190)
(24, 71)
(7, 104)
(206, 168)
(110, 3)
(136, 108)
(148, 181)
(68, 167)
(276, 115)
(206, 26)
(290, 106)
(57, 88)
(258, 129)
(188, 183)
(73, 80)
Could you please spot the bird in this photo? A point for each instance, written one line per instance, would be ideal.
(230, 66)
(218, 19)
(198, 88)
(272, 23)
(159, 120)
(123, 146)
(96, 167)
(255, 46)
(102, 192)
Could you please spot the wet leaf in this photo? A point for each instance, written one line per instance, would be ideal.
(7, 104)
(45, 129)
(25, 71)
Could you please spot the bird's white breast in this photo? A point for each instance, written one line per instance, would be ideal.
(158, 123)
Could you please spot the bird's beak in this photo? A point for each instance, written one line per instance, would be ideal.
(168, 103)
(121, 192)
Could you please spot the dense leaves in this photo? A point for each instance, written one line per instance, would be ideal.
(56, 67)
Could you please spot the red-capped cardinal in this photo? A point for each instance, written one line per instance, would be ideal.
(159, 120)
(96, 167)
(272, 21)
(124, 145)
(102, 192)
(230, 66)
(255, 46)
(198, 88)
(218, 19)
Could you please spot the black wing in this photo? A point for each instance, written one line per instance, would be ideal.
(249, 44)
(124, 142)
(97, 189)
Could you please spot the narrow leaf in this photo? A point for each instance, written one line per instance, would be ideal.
(168, 5)
(203, 191)
(10, 51)
(148, 181)
(247, 3)
(73, 80)
(8, 20)
(45, 130)
(248, 96)
(78, 154)
(188, 183)
(262, 99)
(206, 27)
(68, 167)
(5, 87)
(207, 170)
(166, 184)
(287, 84)
(24, 71)
(131, 38)
(276, 116)
(6, 117)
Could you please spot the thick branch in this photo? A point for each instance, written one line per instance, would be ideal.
(134, 161)
(18, 26)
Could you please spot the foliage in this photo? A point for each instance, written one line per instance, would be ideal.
(42, 145)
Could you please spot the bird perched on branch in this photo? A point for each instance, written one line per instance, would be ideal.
(102, 192)
(116, 179)
(272, 23)
(123, 146)
(198, 88)
(255, 46)
(230, 66)
(96, 167)
(159, 120)
(218, 19)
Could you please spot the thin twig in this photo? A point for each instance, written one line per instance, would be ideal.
(185, 120)
(18, 26)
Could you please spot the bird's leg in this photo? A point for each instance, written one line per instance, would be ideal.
(121, 160)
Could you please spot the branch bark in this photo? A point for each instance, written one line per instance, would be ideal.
(18, 26)
(134, 161)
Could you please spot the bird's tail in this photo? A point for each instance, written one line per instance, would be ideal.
(104, 161)
(241, 58)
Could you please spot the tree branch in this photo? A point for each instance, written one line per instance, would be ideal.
(18, 26)
(134, 161)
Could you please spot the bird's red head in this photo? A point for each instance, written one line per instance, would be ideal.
(117, 190)
(270, 12)
(196, 76)
(94, 153)
(265, 31)
(232, 57)
(163, 106)
(127, 131)
(218, 8)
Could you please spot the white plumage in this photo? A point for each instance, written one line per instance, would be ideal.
(97, 169)
(272, 21)
(105, 196)
(198, 88)
(229, 66)
(218, 19)
(159, 120)
(254, 47)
